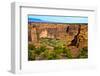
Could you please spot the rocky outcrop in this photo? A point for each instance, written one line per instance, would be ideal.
(72, 34)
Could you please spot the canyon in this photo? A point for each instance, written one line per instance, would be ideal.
(74, 36)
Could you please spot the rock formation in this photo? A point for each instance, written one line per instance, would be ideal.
(73, 34)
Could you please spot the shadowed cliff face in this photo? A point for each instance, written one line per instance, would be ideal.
(74, 36)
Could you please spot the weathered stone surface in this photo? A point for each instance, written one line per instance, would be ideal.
(65, 32)
(75, 35)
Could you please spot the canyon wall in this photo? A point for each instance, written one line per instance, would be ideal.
(72, 34)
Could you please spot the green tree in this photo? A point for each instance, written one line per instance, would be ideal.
(31, 47)
(83, 53)
(67, 52)
(31, 55)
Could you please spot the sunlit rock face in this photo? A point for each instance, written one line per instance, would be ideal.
(65, 32)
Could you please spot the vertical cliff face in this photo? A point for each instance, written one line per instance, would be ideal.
(32, 36)
(83, 36)
(79, 40)
(72, 34)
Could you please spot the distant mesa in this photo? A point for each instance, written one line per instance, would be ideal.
(35, 20)
(38, 20)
